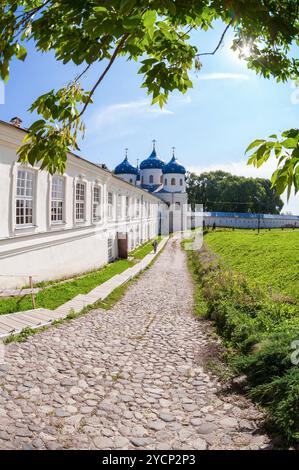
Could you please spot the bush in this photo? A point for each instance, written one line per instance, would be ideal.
(260, 329)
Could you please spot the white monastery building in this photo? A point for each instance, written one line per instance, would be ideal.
(57, 226)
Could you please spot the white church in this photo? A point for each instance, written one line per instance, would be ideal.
(60, 225)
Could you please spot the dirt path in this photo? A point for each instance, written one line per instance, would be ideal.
(126, 378)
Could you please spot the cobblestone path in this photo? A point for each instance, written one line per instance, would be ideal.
(125, 378)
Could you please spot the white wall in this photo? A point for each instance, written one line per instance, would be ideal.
(129, 178)
(155, 172)
(45, 250)
(167, 178)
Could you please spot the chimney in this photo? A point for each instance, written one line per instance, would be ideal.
(16, 121)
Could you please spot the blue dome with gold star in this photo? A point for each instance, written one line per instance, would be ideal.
(125, 167)
(153, 161)
(174, 167)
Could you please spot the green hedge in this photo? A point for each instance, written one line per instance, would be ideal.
(260, 330)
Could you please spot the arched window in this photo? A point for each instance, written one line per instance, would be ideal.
(172, 182)
(165, 182)
(142, 180)
(151, 179)
(131, 180)
(181, 182)
(161, 179)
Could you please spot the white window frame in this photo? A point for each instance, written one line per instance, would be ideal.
(119, 208)
(25, 197)
(127, 207)
(81, 202)
(110, 205)
(56, 200)
(137, 207)
(96, 206)
(110, 248)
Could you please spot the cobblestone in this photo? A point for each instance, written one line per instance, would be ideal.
(127, 378)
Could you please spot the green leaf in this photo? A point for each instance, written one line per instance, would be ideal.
(126, 5)
(254, 144)
(290, 143)
(149, 18)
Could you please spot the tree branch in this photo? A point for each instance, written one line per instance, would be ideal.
(219, 43)
(112, 59)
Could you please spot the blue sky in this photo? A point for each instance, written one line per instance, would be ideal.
(210, 126)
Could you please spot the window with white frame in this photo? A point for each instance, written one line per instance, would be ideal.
(80, 202)
(57, 199)
(127, 206)
(24, 198)
(119, 207)
(96, 204)
(110, 205)
(110, 249)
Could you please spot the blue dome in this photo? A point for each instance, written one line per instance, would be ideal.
(153, 161)
(125, 167)
(174, 167)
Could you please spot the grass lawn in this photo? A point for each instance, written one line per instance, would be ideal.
(270, 258)
(58, 294)
(144, 250)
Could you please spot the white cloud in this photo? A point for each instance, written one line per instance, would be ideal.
(223, 76)
(121, 112)
(240, 168)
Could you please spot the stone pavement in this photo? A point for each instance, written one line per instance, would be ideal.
(125, 378)
(13, 323)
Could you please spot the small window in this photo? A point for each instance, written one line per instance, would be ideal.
(177, 205)
(181, 182)
(110, 205)
(161, 179)
(119, 207)
(96, 207)
(138, 208)
(127, 206)
(142, 180)
(24, 198)
(80, 202)
(165, 182)
(57, 199)
(172, 182)
(110, 249)
(131, 181)
(151, 179)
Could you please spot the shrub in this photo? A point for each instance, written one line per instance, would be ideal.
(260, 329)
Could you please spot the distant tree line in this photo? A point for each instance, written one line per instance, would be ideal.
(222, 192)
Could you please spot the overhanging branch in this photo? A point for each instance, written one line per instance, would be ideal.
(219, 43)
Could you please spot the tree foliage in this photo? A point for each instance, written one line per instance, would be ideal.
(222, 192)
(156, 33)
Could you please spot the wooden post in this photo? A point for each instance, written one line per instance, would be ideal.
(32, 293)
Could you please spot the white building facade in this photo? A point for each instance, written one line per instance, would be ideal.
(57, 226)
(167, 181)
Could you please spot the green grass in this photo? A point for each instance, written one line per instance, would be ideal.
(270, 258)
(257, 327)
(53, 297)
(144, 250)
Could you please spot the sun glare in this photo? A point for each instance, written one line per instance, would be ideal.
(244, 51)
